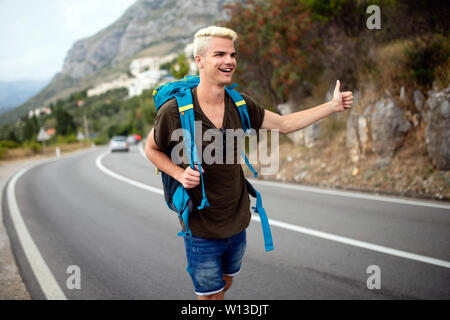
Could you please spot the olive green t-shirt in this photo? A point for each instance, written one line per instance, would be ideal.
(229, 210)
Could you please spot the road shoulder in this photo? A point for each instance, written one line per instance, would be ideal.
(11, 284)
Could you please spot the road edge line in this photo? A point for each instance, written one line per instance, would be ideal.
(45, 278)
(342, 193)
(351, 194)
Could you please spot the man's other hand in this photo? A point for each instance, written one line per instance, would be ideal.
(190, 177)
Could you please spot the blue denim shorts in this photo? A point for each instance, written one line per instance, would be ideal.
(211, 259)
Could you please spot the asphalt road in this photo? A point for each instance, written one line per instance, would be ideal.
(122, 237)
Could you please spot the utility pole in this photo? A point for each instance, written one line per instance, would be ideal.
(85, 122)
(86, 128)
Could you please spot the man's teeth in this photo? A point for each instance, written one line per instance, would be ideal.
(225, 70)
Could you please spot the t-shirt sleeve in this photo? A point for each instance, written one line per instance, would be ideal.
(166, 121)
(255, 112)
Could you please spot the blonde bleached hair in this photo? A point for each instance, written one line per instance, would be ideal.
(203, 36)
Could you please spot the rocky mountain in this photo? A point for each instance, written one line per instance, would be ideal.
(147, 23)
(147, 28)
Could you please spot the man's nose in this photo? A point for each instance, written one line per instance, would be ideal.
(230, 59)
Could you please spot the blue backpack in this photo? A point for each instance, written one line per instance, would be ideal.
(176, 196)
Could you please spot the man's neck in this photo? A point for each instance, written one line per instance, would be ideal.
(210, 95)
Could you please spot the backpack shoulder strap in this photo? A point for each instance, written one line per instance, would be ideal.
(241, 107)
(187, 118)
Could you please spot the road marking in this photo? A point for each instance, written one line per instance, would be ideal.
(141, 150)
(357, 243)
(45, 278)
(351, 194)
(138, 184)
(348, 194)
(292, 227)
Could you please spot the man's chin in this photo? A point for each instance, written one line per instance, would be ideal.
(226, 80)
(222, 80)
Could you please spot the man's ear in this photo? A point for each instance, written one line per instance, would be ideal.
(199, 61)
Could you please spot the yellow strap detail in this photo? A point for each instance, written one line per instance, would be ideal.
(184, 108)
(240, 103)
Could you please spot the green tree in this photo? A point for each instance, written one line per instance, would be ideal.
(65, 124)
(12, 136)
(348, 15)
(112, 130)
(180, 67)
(274, 47)
(31, 128)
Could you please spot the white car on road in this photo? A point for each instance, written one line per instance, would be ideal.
(118, 143)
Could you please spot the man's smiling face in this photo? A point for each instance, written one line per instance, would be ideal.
(218, 63)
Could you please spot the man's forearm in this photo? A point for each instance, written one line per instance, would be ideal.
(164, 163)
(301, 119)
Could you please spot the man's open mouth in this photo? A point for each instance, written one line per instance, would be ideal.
(226, 70)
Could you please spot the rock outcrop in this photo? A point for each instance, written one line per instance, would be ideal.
(437, 134)
(388, 127)
(381, 129)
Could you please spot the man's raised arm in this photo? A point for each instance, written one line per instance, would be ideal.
(301, 119)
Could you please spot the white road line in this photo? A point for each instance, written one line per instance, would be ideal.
(45, 278)
(292, 227)
(357, 243)
(141, 150)
(351, 194)
(348, 194)
(138, 184)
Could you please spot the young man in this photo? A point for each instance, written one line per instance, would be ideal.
(218, 240)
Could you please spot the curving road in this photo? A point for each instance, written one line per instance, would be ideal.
(104, 213)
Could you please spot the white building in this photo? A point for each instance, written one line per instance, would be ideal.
(145, 81)
(146, 74)
(39, 111)
(122, 82)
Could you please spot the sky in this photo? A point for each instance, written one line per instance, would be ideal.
(35, 35)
